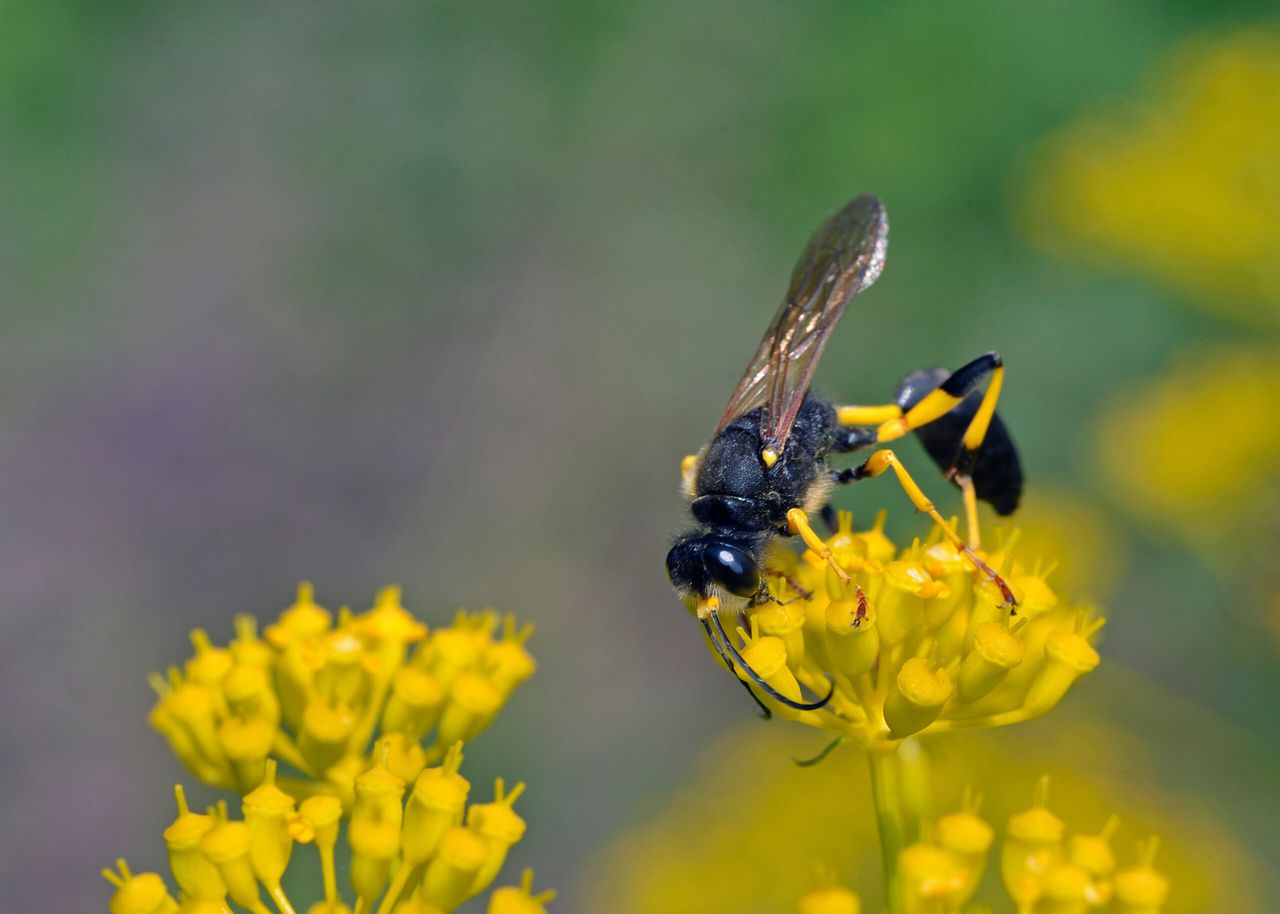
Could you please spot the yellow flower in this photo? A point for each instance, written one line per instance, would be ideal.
(220, 864)
(1145, 449)
(1184, 182)
(315, 694)
(917, 641)
(741, 835)
(1044, 870)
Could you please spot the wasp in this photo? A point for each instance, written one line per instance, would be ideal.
(765, 471)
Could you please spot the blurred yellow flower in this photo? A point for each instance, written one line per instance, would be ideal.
(1150, 441)
(1043, 869)
(426, 853)
(916, 641)
(1087, 552)
(742, 835)
(315, 694)
(1183, 182)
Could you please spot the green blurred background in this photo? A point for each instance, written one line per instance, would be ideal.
(440, 294)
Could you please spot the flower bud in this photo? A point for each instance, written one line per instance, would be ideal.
(227, 847)
(246, 742)
(508, 662)
(996, 651)
(1139, 889)
(768, 657)
(852, 637)
(325, 732)
(374, 831)
(452, 650)
(1067, 889)
(829, 900)
(141, 893)
(901, 605)
(520, 899)
(473, 702)
(1093, 852)
(435, 805)
(247, 648)
(452, 871)
(210, 664)
(405, 758)
(918, 699)
(786, 623)
(499, 825)
(195, 875)
(303, 620)
(195, 707)
(267, 810)
(415, 703)
(930, 880)
(1032, 845)
(248, 691)
(967, 838)
(1068, 656)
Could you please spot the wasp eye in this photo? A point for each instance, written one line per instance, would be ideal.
(732, 569)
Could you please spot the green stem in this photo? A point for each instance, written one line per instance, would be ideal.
(917, 798)
(886, 792)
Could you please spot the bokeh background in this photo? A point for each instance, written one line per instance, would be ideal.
(439, 294)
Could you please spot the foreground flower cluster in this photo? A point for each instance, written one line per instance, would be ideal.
(314, 694)
(1043, 869)
(368, 714)
(415, 853)
(917, 641)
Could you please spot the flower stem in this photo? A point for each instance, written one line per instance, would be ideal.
(886, 792)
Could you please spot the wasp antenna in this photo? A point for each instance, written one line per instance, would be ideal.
(765, 713)
(726, 645)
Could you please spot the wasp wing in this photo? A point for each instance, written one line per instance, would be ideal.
(844, 256)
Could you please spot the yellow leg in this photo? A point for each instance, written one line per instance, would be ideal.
(867, 415)
(971, 510)
(886, 459)
(946, 397)
(798, 521)
(977, 430)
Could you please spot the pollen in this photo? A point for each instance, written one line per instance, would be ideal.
(315, 692)
(916, 641)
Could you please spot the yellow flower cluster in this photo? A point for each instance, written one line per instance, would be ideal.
(1143, 441)
(1044, 870)
(1185, 184)
(415, 853)
(917, 641)
(315, 693)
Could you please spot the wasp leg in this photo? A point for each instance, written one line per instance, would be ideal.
(798, 522)
(936, 404)
(886, 459)
(946, 397)
(829, 519)
(970, 511)
(867, 415)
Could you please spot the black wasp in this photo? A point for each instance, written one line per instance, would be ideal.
(765, 470)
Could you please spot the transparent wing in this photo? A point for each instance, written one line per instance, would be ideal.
(844, 256)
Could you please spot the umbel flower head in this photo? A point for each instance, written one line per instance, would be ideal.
(917, 641)
(314, 693)
(414, 849)
(1044, 870)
